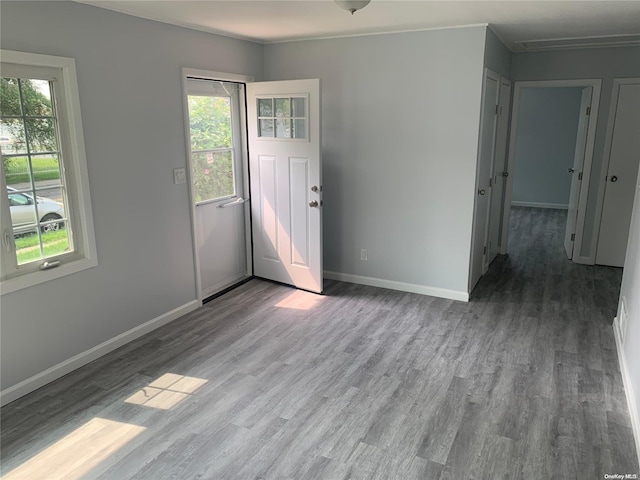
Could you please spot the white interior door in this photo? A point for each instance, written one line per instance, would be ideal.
(499, 170)
(620, 184)
(491, 83)
(576, 171)
(286, 189)
(217, 174)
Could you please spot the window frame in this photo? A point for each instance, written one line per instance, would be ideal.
(76, 178)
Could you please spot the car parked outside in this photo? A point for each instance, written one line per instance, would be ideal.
(23, 212)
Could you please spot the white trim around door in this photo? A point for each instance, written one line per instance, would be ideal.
(224, 77)
(595, 84)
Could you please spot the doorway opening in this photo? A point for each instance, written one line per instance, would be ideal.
(219, 181)
(550, 156)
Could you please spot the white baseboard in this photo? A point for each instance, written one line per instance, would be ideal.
(560, 206)
(628, 387)
(401, 286)
(50, 374)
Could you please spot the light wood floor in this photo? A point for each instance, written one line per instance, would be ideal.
(267, 382)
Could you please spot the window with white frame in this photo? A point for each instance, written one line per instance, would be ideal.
(45, 210)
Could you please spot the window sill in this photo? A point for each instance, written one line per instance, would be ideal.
(15, 284)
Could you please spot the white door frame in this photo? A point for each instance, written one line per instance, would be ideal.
(229, 77)
(613, 109)
(588, 160)
(502, 144)
(474, 275)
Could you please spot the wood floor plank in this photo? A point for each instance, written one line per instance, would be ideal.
(267, 382)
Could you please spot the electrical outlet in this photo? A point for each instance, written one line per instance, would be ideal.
(179, 176)
(363, 255)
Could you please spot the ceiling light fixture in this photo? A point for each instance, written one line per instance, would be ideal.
(352, 5)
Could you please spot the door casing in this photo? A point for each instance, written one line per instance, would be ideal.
(212, 75)
(484, 171)
(588, 259)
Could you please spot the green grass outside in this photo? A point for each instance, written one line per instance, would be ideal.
(43, 169)
(27, 249)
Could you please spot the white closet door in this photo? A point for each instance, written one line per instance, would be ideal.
(621, 177)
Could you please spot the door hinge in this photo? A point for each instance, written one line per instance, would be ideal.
(580, 176)
(588, 110)
(490, 182)
(497, 109)
(573, 237)
(484, 250)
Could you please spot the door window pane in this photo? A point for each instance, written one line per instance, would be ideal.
(211, 147)
(212, 175)
(299, 128)
(282, 107)
(287, 114)
(265, 107)
(265, 127)
(298, 107)
(209, 122)
(283, 128)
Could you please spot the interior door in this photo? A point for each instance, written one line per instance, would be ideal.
(576, 171)
(621, 177)
(479, 264)
(499, 170)
(286, 188)
(217, 183)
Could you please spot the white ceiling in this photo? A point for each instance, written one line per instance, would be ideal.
(586, 23)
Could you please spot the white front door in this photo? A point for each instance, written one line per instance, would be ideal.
(217, 184)
(479, 264)
(620, 188)
(286, 188)
(576, 171)
(499, 169)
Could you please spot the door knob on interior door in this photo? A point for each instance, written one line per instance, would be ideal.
(614, 179)
(481, 191)
(571, 170)
(313, 203)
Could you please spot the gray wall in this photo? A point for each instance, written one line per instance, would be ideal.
(131, 100)
(497, 57)
(630, 290)
(545, 145)
(604, 63)
(400, 138)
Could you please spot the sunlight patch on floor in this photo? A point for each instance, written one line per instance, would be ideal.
(300, 300)
(167, 391)
(76, 454)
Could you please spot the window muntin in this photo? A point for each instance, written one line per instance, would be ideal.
(32, 169)
(283, 117)
(212, 156)
(54, 160)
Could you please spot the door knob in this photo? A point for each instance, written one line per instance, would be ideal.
(614, 179)
(481, 191)
(314, 188)
(313, 203)
(571, 170)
